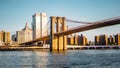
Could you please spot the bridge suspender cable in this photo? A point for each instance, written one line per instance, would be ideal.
(46, 28)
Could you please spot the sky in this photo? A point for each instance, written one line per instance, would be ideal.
(15, 13)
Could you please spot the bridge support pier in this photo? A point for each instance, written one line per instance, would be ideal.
(57, 43)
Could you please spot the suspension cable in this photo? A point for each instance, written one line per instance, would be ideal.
(46, 29)
(73, 21)
(46, 25)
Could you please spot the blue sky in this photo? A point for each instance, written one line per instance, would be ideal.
(14, 13)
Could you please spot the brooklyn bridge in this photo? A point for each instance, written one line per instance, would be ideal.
(58, 31)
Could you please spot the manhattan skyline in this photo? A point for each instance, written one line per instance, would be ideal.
(15, 13)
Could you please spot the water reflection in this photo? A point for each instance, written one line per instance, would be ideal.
(49, 59)
(68, 59)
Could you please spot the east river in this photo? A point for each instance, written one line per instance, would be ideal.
(68, 59)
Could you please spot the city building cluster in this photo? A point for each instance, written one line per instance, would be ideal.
(99, 40)
(39, 24)
(77, 40)
(105, 40)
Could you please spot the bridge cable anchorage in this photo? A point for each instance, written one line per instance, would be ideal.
(74, 21)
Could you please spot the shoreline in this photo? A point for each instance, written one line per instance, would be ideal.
(38, 48)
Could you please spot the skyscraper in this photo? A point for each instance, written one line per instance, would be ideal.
(24, 35)
(39, 25)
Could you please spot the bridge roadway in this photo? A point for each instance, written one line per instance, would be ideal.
(95, 25)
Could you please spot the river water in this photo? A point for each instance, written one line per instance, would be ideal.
(68, 59)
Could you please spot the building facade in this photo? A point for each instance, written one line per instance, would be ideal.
(68, 40)
(39, 25)
(111, 40)
(4, 37)
(101, 40)
(97, 40)
(24, 35)
(72, 40)
(117, 39)
(76, 39)
(82, 40)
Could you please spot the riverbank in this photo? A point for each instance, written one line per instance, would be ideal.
(96, 47)
(22, 48)
(40, 48)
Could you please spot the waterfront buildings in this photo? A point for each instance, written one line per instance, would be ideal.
(72, 40)
(39, 25)
(111, 40)
(101, 40)
(77, 40)
(4, 38)
(24, 35)
(117, 39)
(82, 40)
(96, 40)
(68, 40)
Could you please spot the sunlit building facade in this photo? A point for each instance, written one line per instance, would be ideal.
(24, 35)
(72, 40)
(97, 40)
(39, 25)
(4, 37)
(76, 39)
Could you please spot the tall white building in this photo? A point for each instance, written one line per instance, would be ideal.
(24, 35)
(39, 25)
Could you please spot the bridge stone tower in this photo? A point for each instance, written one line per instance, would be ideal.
(59, 42)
